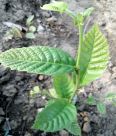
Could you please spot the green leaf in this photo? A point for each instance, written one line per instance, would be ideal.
(88, 12)
(101, 108)
(91, 100)
(111, 96)
(64, 85)
(53, 93)
(29, 20)
(93, 57)
(30, 35)
(74, 128)
(36, 90)
(58, 6)
(55, 116)
(38, 59)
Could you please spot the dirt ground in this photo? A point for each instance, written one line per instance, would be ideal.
(17, 109)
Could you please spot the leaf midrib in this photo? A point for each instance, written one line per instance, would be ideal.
(89, 59)
(48, 62)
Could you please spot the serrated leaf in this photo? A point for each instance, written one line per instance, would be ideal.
(58, 6)
(74, 128)
(64, 86)
(93, 57)
(55, 116)
(38, 59)
(101, 108)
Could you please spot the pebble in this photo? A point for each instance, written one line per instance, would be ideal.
(1, 111)
(86, 127)
(27, 134)
(64, 133)
(40, 77)
(40, 29)
(86, 119)
(114, 69)
(9, 90)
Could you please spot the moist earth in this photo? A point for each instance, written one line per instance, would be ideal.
(17, 108)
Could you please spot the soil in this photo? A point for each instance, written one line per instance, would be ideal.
(17, 108)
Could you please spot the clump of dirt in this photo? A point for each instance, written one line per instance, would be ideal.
(17, 108)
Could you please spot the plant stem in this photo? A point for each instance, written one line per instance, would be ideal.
(79, 54)
(80, 44)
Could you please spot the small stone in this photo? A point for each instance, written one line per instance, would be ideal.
(27, 134)
(86, 119)
(64, 133)
(41, 77)
(9, 90)
(1, 111)
(114, 69)
(40, 29)
(94, 118)
(86, 127)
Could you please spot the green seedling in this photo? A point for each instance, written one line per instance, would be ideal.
(101, 106)
(69, 74)
(31, 29)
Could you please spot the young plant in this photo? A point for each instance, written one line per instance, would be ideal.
(69, 74)
(31, 29)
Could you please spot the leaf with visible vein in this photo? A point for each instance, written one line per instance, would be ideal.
(93, 57)
(55, 116)
(64, 85)
(38, 59)
(58, 6)
(74, 128)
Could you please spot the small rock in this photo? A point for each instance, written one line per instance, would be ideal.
(40, 29)
(94, 118)
(86, 119)
(114, 69)
(86, 127)
(27, 134)
(9, 90)
(1, 111)
(64, 133)
(41, 77)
